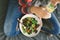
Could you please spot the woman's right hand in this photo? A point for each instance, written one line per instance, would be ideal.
(55, 2)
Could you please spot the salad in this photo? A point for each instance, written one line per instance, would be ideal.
(30, 25)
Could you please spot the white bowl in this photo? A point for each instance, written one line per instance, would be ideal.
(39, 22)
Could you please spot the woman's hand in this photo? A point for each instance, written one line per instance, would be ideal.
(40, 12)
(55, 2)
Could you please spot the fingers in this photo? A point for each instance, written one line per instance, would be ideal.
(40, 12)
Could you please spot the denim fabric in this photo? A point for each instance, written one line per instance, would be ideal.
(11, 20)
(55, 25)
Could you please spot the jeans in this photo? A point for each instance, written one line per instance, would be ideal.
(11, 20)
(55, 25)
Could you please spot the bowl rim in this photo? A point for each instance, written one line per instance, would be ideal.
(34, 16)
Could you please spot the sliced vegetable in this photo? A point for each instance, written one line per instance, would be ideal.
(30, 25)
(24, 29)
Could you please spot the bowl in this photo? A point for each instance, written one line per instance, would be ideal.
(39, 21)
